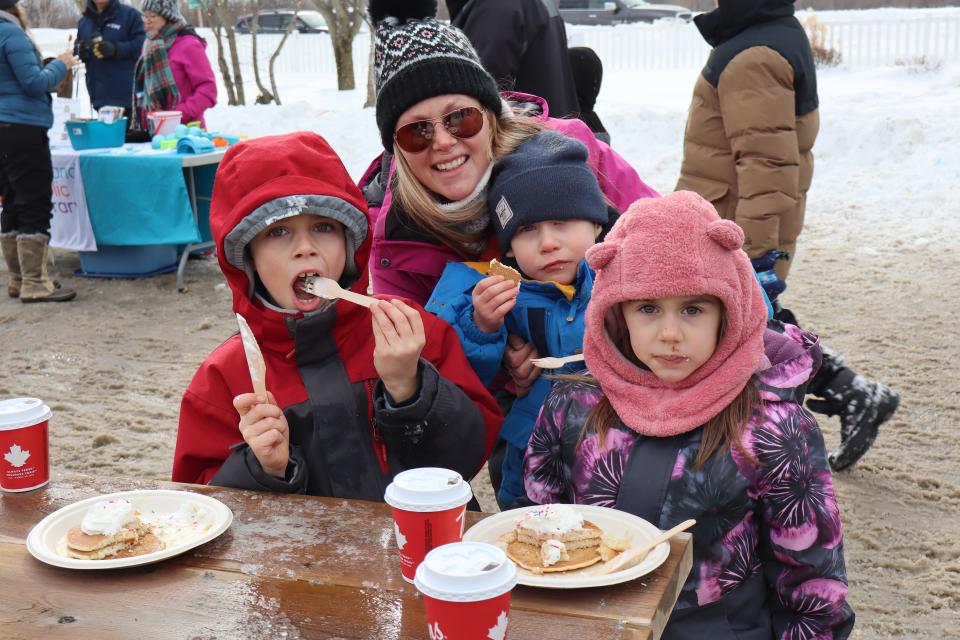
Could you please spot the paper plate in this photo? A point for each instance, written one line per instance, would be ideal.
(46, 540)
(613, 522)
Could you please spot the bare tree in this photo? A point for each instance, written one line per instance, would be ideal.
(57, 14)
(344, 18)
(219, 17)
(276, 52)
(371, 85)
(265, 96)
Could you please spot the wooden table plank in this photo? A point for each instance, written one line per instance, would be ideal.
(175, 600)
(344, 544)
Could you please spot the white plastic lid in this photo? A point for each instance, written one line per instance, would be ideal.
(465, 572)
(428, 489)
(22, 412)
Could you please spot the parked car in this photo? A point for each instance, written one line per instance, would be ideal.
(277, 21)
(620, 11)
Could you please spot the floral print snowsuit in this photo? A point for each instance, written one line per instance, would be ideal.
(768, 547)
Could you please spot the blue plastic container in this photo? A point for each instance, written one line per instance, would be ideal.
(93, 134)
(117, 261)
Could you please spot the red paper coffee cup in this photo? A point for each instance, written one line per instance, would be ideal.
(466, 591)
(428, 511)
(24, 448)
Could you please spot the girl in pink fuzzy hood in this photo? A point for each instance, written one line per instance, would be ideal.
(690, 410)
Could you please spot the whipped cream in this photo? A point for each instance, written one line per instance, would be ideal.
(551, 519)
(109, 517)
(552, 552)
(187, 523)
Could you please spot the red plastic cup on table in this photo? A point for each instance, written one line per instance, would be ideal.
(24, 444)
(428, 511)
(466, 591)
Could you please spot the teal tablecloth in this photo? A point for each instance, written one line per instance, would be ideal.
(136, 199)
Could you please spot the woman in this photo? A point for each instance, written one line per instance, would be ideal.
(173, 72)
(444, 124)
(26, 171)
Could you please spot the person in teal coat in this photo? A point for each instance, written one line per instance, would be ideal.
(26, 171)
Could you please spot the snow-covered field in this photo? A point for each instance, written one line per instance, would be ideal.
(876, 275)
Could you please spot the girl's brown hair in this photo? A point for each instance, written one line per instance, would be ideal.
(507, 133)
(719, 431)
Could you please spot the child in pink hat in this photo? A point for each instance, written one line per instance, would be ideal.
(690, 410)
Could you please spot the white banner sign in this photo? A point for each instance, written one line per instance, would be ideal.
(70, 227)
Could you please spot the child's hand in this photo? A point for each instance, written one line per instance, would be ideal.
(265, 429)
(493, 298)
(399, 336)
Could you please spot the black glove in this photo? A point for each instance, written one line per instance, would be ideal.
(104, 50)
(767, 277)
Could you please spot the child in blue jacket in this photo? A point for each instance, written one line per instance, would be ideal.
(547, 210)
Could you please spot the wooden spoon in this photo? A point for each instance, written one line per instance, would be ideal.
(635, 555)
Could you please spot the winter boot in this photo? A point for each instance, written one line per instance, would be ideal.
(37, 285)
(8, 242)
(862, 404)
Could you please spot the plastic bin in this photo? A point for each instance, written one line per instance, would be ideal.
(93, 134)
(116, 261)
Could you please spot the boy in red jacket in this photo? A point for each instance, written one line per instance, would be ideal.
(355, 395)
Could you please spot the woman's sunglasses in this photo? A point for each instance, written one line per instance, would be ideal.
(417, 136)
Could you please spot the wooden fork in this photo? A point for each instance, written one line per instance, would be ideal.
(330, 289)
(549, 362)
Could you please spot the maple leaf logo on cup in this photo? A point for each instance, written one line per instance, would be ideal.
(16, 456)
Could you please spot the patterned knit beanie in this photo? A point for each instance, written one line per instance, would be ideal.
(676, 245)
(545, 178)
(168, 9)
(417, 57)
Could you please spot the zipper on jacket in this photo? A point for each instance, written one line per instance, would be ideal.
(379, 446)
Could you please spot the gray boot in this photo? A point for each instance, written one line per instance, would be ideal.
(37, 285)
(8, 242)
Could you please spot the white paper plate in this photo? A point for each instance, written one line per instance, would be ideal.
(49, 533)
(613, 522)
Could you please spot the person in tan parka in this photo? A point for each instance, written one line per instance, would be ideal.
(748, 149)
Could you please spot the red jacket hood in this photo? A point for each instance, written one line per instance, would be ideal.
(257, 171)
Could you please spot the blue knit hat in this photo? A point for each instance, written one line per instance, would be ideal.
(545, 178)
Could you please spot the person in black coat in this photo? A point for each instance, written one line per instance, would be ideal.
(523, 45)
(588, 76)
(109, 42)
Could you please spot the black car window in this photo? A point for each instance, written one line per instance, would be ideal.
(573, 4)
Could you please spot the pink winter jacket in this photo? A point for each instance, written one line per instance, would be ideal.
(194, 77)
(412, 269)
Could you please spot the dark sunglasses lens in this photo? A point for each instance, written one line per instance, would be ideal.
(414, 137)
(464, 123)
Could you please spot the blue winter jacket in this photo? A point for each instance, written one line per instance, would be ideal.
(25, 82)
(548, 315)
(110, 81)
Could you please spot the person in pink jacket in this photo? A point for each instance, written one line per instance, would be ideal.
(173, 72)
(444, 125)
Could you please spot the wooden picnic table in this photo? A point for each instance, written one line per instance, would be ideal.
(290, 566)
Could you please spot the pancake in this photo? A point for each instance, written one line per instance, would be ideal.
(528, 557)
(497, 268)
(77, 540)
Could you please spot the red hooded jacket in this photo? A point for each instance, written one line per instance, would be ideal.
(346, 439)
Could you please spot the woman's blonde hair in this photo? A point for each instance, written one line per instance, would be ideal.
(18, 12)
(719, 432)
(507, 133)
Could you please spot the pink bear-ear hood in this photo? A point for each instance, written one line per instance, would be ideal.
(675, 245)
